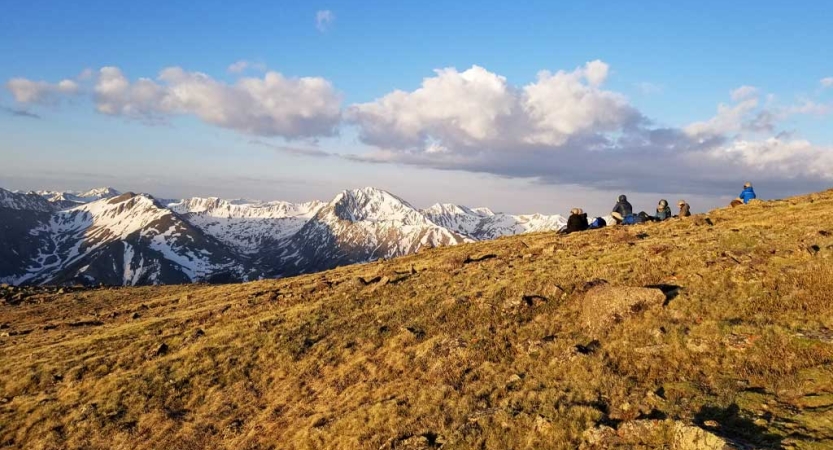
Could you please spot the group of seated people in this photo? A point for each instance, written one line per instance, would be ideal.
(623, 212)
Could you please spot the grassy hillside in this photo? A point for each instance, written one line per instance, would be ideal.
(617, 337)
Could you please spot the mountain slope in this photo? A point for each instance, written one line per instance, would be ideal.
(22, 216)
(125, 240)
(482, 223)
(246, 226)
(717, 328)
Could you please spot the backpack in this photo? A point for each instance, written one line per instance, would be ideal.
(630, 219)
(598, 223)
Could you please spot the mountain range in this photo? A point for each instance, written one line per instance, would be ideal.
(103, 236)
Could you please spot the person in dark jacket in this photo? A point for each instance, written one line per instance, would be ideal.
(663, 210)
(685, 209)
(623, 207)
(747, 194)
(577, 221)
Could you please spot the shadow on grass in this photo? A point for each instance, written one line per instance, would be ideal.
(733, 427)
(671, 291)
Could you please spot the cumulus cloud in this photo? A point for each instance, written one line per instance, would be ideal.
(827, 82)
(274, 105)
(40, 92)
(324, 20)
(476, 108)
(566, 128)
(779, 156)
(731, 118)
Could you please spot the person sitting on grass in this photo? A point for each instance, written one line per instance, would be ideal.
(577, 221)
(747, 194)
(623, 207)
(663, 210)
(685, 209)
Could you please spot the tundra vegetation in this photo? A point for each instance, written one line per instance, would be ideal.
(710, 331)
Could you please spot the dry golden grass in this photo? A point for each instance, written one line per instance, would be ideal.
(474, 346)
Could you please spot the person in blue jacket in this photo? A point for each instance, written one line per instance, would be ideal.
(748, 193)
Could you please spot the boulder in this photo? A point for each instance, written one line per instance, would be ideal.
(670, 434)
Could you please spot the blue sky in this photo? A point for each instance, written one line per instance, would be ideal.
(671, 64)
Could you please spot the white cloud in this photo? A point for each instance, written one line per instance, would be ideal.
(477, 108)
(564, 128)
(270, 106)
(729, 118)
(243, 65)
(777, 155)
(324, 20)
(827, 82)
(86, 74)
(40, 92)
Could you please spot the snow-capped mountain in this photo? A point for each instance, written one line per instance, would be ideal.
(100, 236)
(24, 201)
(482, 223)
(70, 199)
(361, 225)
(245, 225)
(125, 240)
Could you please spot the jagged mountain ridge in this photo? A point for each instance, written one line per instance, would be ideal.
(100, 236)
(361, 225)
(246, 225)
(129, 239)
(69, 199)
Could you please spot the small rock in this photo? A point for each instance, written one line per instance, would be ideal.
(513, 381)
(162, 350)
(590, 348)
(135, 316)
(711, 424)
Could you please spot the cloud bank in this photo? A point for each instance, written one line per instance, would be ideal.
(563, 128)
(566, 128)
(40, 92)
(270, 106)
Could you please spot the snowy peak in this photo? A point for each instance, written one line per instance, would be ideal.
(69, 199)
(243, 224)
(24, 202)
(99, 193)
(482, 223)
(115, 217)
(373, 205)
(217, 207)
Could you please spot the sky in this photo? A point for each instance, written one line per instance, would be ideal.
(535, 106)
